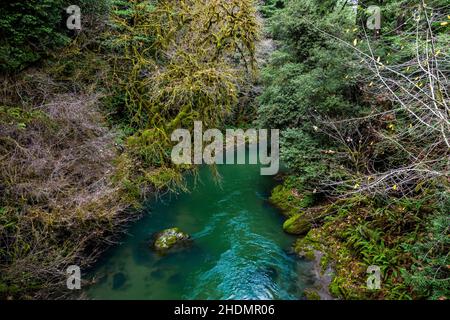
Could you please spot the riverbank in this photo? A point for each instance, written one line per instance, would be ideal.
(84, 132)
(64, 196)
(368, 183)
(343, 246)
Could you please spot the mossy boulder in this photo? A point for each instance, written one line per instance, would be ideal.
(305, 251)
(297, 225)
(311, 294)
(170, 238)
(290, 200)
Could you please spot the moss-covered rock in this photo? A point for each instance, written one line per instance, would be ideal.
(312, 294)
(169, 238)
(297, 225)
(304, 250)
(290, 200)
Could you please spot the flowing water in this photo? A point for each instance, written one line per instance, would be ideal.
(239, 250)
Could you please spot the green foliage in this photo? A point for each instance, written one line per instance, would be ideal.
(430, 273)
(270, 7)
(291, 200)
(173, 64)
(28, 29)
(318, 93)
(302, 151)
(19, 117)
(369, 244)
(297, 224)
(310, 77)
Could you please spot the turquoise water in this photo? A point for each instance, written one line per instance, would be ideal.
(239, 250)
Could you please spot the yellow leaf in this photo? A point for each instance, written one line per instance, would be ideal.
(355, 42)
(356, 186)
(355, 29)
(444, 23)
(395, 187)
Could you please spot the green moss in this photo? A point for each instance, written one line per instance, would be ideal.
(310, 255)
(304, 249)
(167, 239)
(297, 225)
(350, 242)
(324, 262)
(335, 288)
(289, 200)
(312, 294)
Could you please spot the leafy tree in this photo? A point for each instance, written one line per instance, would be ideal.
(310, 77)
(27, 30)
(269, 7)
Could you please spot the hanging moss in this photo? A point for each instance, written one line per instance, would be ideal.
(177, 64)
(185, 73)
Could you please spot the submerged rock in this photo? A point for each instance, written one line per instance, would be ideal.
(169, 238)
(119, 280)
(297, 225)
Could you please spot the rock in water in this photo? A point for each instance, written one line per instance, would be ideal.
(119, 280)
(169, 238)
